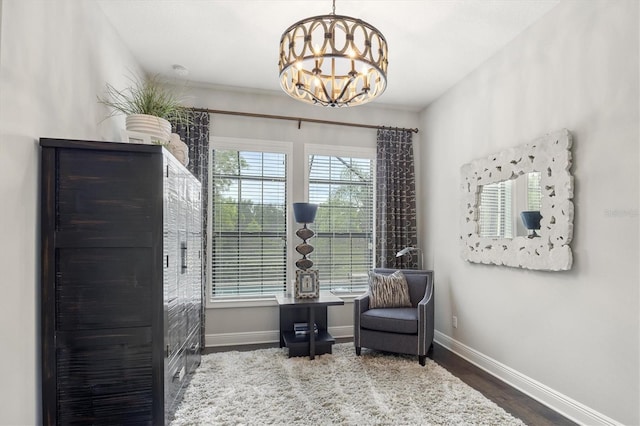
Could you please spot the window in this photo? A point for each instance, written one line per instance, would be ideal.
(248, 221)
(343, 188)
(251, 243)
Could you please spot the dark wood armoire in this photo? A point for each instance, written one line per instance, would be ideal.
(121, 300)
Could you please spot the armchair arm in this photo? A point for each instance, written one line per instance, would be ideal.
(360, 305)
(428, 295)
(425, 319)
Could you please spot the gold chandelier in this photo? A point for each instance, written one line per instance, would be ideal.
(333, 60)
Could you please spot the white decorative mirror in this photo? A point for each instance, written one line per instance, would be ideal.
(517, 208)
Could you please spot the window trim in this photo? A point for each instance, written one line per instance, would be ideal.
(231, 302)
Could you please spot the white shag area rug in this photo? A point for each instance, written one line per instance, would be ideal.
(266, 387)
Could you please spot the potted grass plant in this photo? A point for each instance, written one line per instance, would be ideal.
(148, 105)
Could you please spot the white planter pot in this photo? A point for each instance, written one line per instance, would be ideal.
(158, 128)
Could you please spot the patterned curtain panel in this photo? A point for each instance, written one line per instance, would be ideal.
(396, 200)
(196, 136)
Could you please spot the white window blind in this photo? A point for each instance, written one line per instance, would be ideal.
(248, 241)
(496, 205)
(534, 192)
(343, 188)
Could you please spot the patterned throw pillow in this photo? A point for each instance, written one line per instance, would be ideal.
(388, 291)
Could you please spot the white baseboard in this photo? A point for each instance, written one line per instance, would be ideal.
(260, 337)
(564, 405)
(238, 339)
(342, 331)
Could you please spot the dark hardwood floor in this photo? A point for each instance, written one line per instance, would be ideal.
(511, 400)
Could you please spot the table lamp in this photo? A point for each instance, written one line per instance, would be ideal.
(531, 221)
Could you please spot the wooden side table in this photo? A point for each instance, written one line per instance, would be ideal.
(311, 311)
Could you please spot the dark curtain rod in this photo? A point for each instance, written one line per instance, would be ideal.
(298, 119)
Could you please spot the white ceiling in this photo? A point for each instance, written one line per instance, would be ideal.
(432, 43)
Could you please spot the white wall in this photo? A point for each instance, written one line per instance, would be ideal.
(245, 323)
(576, 333)
(56, 56)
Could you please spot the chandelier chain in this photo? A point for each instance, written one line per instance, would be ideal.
(334, 7)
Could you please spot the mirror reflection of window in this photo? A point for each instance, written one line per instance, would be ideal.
(496, 210)
(500, 205)
(534, 192)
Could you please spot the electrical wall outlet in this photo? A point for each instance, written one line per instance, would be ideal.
(454, 321)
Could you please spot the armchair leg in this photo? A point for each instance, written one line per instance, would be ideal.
(422, 359)
(358, 350)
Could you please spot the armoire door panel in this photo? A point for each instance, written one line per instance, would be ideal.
(105, 190)
(103, 288)
(105, 377)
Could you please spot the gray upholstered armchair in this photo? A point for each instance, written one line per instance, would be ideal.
(406, 330)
